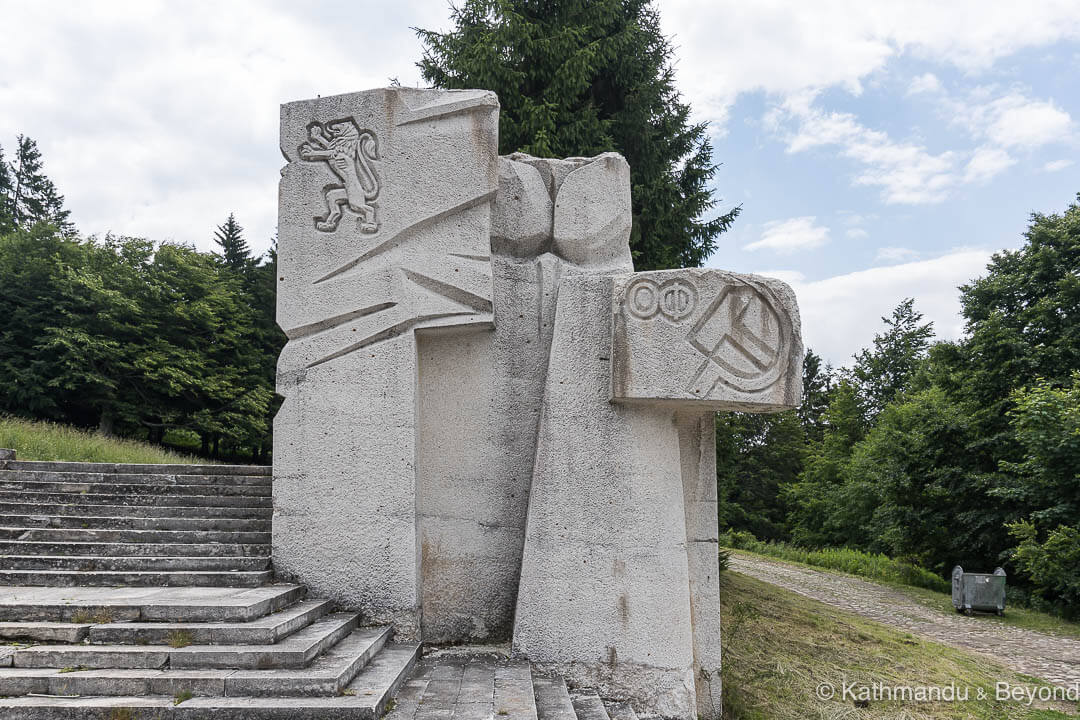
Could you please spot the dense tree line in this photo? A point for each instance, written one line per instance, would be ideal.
(940, 453)
(578, 78)
(146, 340)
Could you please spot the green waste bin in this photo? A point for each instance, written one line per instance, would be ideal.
(978, 591)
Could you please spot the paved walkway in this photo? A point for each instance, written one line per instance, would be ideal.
(1055, 659)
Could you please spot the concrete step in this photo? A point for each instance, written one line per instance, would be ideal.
(200, 549)
(588, 705)
(620, 710)
(366, 698)
(47, 632)
(295, 651)
(90, 563)
(23, 485)
(264, 631)
(75, 578)
(134, 469)
(122, 522)
(103, 535)
(552, 698)
(145, 604)
(91, 498)
(147, 511)
(328, 675)
(263, 481)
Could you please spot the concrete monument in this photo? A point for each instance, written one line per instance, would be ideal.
(493, 429)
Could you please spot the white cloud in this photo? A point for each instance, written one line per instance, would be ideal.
(1055, 165)
(731, 47)
(788, 236)
(159, 118)
(1012, 120)
(841, 314)
(907, 173)
(987, 162)
(896, 254)
(856, 233)
(926, 83)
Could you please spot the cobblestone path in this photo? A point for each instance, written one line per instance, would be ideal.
(1055, 659)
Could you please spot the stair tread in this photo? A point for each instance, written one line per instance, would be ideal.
(134, 468)
(215, 633)
(552, 699)
(117, 578)
(163, 604)
(588, 705)
(338, 667)
(296, 650)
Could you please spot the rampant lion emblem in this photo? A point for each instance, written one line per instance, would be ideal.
(348, 151)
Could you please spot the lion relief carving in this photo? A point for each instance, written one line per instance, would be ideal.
(349, 153)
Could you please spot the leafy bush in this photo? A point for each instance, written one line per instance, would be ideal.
(855, 562)
(1053, 565)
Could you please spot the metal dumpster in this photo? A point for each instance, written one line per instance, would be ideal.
(978, 591)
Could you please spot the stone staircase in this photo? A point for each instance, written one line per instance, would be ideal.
(466, 684)
(81, 524)
(137, 592)
(133, 591)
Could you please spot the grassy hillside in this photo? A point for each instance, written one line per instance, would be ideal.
(47, 441)
(781, 649)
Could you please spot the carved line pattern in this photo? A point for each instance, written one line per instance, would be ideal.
(674, 299)
(770, 361)
(348, 152)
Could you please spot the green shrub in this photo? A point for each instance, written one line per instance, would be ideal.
(855, 562)
(1052, 565)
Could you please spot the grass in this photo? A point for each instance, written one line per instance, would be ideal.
(938, 599)
(182, 696)
(854, 562)
(1014, 616)
(101, 616)
(780, 647)
(37, 440)
(180, 639)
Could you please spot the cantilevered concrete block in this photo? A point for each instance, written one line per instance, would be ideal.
(706, 338)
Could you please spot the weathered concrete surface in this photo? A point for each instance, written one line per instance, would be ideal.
(706, 338)
(480, 392)
(697, 453)
(384, 226)
(605, 586)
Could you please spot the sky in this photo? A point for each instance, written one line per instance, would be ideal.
(878, 149)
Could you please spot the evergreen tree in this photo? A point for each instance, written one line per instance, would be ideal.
(579, 78)
(234, 248)
(886, 370)
(7, 215)
(31, 196)
(813, 497)
(817, 391)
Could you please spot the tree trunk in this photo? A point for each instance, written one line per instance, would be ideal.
(106, 425)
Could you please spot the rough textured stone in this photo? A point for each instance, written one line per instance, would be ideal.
(605, 589)
(706, 338)
(481, 391)
(384, 227)
(493, 429)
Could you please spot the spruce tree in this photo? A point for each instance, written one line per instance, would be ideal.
(7, 216)
(30, 196)
(577, 78)
(234, 248)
